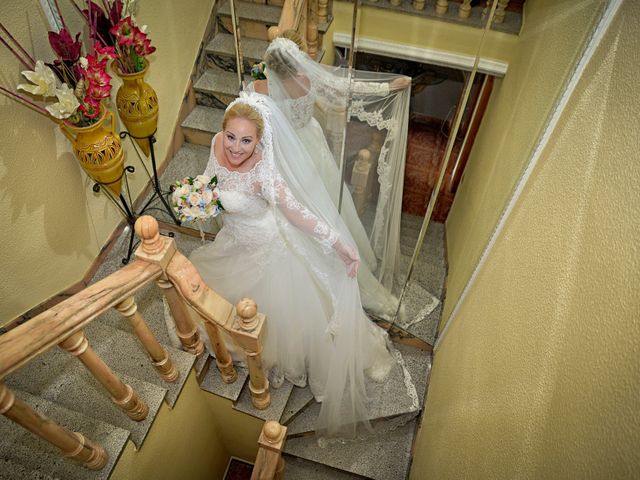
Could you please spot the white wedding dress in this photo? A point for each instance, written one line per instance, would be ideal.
(298, 85)
(282, 257)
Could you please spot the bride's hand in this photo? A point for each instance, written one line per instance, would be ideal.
(399, 83)
(349, 256)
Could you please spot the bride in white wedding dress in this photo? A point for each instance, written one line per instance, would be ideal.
(298, 84)
(284, 244)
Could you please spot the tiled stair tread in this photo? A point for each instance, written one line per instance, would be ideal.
(301, 469)
(267, 14)
(215, 80)
(213, 383)
(252, 48)
(279, 397)
(11, 471)
(40, 459)
(298, 400)
(385, 456)
(124, 353)
(387, 399)
(205, 119)
(59, 377)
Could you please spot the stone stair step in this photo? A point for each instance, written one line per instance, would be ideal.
(25, 455)
(301, 469)
(124, 353)
(299, 399)
(279, 397)
(219, 84)
(12, 471)
(59, 377)
(202, 124)
(388, 399)
(384, 456)
(252, 48)
(212, 382)
(254, 18)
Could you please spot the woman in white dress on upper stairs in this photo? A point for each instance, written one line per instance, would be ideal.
(298, 84)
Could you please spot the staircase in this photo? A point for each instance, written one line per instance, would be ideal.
(59, 387)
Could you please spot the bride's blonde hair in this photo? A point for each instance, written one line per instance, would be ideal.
(246, 111)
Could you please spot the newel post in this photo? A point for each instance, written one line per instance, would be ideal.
(269, 462)
(247, 332)
(161, 250)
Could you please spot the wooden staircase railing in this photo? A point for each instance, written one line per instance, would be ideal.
(303, 17)
(63, 325)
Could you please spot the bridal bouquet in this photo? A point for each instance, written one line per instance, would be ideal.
(196, 198)
(257, 71)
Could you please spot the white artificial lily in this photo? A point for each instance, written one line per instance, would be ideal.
(43, 79)
(67, 103)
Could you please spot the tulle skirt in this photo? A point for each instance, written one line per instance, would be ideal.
(297, 345)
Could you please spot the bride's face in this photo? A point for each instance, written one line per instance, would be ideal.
(240, 140)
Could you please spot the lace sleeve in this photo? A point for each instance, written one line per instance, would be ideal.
(340, 86)
(302, 218)
(210, 169)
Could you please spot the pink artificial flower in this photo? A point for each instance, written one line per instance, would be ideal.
(142, 45)
(89, 108)
(98, 92)
(104, 53)
(64, 46)
(124, 31)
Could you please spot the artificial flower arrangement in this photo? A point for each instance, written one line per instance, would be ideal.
(258, 71)
(196, 199)
(80, 83)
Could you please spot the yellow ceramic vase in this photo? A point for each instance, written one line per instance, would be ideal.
(99, 150)
(137, 105)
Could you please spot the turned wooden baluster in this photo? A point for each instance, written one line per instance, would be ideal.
(73, 444)
(247, 333)
(312, 29)
(323, 11)
(121, 393)
(154, 249)
(160, 358)
(498, 17)
(464, 10)
(269, 462)
(224, 362)
(360, 179)
(442, 6)
(418, 4)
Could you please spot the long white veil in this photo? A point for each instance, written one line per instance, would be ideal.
(372, 110)
(356, 348)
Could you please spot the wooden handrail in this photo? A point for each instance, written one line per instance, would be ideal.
(25, 342)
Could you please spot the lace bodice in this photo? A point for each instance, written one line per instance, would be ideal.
(248, 215)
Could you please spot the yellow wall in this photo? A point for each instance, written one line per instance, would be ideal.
(194, 440)
(53, 224)
(412, 30)
(539, 377)
(551, 40)
(184, 442)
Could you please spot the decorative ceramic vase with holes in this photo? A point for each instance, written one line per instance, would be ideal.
(99, 150)
(137, 105)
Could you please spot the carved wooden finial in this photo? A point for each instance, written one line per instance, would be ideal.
(272, 431)
(364, 155)
(148, 230)
(247, 311)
